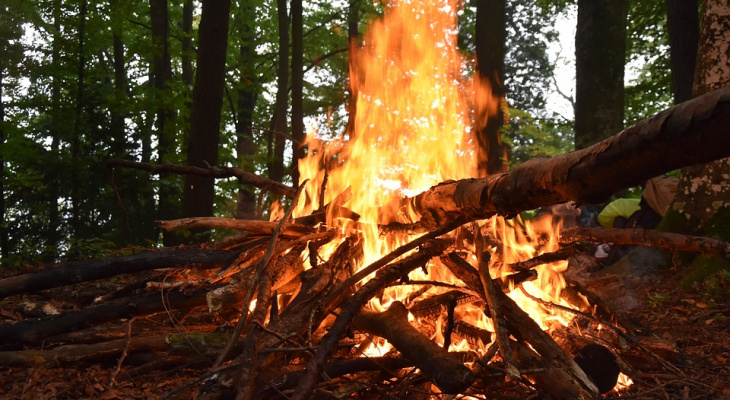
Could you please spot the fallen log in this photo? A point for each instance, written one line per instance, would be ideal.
(690, 133)
(440, 367)
(648, 238)
(34, 331)
(106, 268)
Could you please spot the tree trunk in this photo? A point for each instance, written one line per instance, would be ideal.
(353, 20)
(702, 204)
(278, 120)
(205, 119)
(600, 54)
(169, 199)
(4, 236)
(120, 82)
(78, 133)
(490, 40)
(297, 87)
(52, 234)
(684, 31)
(247, 96)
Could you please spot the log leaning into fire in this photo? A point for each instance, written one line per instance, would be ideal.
(520, 324)
(385, 276)
(441, 368)
(649, 238)
(689, 133)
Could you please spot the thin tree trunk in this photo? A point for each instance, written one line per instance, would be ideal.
(297, 87)
(54, 220)
(490, 48)
(120, 82)
(278, 121)
(205, 120)
(188, 76)
(353, 20)
(600, 55)
(78, 126)
(684, 33)
(169, 199)
(4, 236)
(247, 97)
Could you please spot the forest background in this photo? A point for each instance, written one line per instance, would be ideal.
(83, 81)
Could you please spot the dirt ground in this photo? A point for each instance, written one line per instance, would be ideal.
(689, 329)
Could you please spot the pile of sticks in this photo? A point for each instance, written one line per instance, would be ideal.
(303, 334)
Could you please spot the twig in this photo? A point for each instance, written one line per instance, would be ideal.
(124, 353)
(249, 293)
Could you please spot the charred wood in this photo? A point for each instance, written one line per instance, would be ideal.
(350, 308)
(444, 370)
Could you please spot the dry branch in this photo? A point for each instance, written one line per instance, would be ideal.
(690, 133)
(648, 238)
(213, 172)
(443, 369)
(106, 268)
(35, 331)
(348, 311)
(252, 226)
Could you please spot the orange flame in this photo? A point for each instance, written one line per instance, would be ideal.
(416, 106)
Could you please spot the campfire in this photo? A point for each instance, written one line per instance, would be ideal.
(393, 273)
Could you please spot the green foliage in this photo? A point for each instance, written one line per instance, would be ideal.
(647, 49)
(703, 267)
(530, 137)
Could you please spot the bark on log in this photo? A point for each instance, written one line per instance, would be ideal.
(252, 226)
(81, 352)
(93, 270)
(441, 368)
(35, 331)
(648, 238)
(690, 133)
(213, 172)
(521, 324)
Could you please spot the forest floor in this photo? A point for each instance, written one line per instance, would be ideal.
(693, 327)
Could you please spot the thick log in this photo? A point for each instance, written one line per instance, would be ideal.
(213, 172)
(554, 381)
(521, 324)
(36, 330)
(690, 133)
(256, 227)
(106, 268)
(441, 368)
(82, 352)
(648, 238)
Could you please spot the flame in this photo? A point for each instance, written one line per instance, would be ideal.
(416, 106)
(624, 382)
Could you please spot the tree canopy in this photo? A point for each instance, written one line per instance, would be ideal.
(83, 81)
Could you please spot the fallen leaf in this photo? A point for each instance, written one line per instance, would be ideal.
(701, 304)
